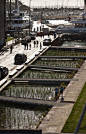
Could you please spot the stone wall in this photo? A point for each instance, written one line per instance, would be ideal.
(21, 131)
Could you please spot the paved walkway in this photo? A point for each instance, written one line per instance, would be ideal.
(57, 116)
(7, 59)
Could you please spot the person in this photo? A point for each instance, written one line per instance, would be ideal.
(34, 43)
(61, 89)
(30, 47)
(54, 35)
(27, 46)
(56, 92)
(11, 47)
(40, 46)
(37, 43)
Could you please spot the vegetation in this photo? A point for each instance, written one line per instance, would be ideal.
(73, 119)
(64, 53)
(14, 116)
(59, 63)
(9, 38)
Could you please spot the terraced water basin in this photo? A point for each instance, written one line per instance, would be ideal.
(13, 116)
(59, 63)
(30, 91)
(46, 74)
(74, 44)
(57, 52)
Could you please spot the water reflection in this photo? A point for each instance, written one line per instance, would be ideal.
(13, 116)
(74, 44)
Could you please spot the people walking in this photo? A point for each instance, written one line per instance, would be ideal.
(56, 93)
(61, 91)
(54, 35)
(34, 43)
(29, 46)
(40, 46)
(37, 43)
(25, 46)
(11, 48)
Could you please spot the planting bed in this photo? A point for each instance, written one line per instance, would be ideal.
(30, 91)
(63, 53)
(59, 63)
(46, 74)
(13, 116)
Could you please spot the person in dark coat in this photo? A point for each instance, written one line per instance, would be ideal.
(37, 43)
(34, 43)
(40, 46)
(11, 48)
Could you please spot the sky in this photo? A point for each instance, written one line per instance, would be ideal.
(54, 2)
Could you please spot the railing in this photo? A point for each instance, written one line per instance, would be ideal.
(80, 120)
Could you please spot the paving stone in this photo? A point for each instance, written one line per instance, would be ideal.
(51, 129)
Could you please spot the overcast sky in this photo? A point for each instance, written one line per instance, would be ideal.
(54, 2)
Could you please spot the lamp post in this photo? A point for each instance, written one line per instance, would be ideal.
(29, 16)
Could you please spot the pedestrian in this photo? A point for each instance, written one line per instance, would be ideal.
(41, 34)
(40, 46)
(34, 43)
(11, 47)
(37, 43)
(54, 35)
(61, 89)
(27, 46)
(56, 93)
(30, 47)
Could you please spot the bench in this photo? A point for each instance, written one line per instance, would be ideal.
(13, 73)
(28, 60)
(19, 67)
(2, 82)
(37, 53)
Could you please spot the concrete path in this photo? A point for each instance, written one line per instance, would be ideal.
(57, 116)
(7, 59)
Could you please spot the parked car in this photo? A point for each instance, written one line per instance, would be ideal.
(3, 71)
(20, 58)
(47, 41)
(26, 40)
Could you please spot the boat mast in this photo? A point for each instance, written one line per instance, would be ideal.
(16, 4)
(84, 5)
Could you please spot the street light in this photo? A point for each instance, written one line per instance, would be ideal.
(29, 16)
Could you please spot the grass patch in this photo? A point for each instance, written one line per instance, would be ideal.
(73, 119)
(9, 38)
